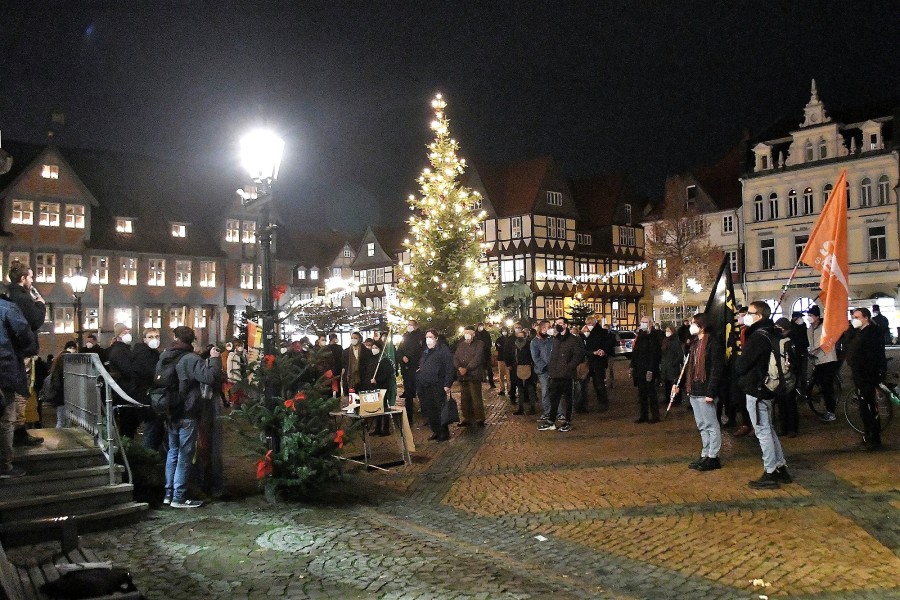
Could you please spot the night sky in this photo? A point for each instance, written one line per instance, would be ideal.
(646, 87)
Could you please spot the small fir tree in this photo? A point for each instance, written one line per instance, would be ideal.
(447, 285)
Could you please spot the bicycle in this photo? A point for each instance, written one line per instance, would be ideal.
(885, 399)
(805, 385)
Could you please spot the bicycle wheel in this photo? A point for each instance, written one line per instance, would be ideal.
(883, 401)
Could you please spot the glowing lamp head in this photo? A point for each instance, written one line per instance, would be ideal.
(79, 282)
(261, 153)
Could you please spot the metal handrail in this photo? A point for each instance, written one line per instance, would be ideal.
(88, 397)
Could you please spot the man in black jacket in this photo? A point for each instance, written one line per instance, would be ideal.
(409, 354)
(882, 322)
(484, 335)
(646, 354)
(600, 344)
(868, 365)
(146, 357)
(566, 354)
(120, 364)
(751, 370)
(23, 294)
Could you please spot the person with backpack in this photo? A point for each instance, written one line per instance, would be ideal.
(176, 396)
(752, 369)
(702, 379)
(788, 415)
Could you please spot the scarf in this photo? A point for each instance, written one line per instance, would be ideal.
(697, 362)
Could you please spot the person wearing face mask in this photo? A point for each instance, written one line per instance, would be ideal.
(826, 362)
(351, 374)
(646, 354)
(54, 394)
(751, 370)
(409, 353)
(701, 380)
(377, 372)
(120, 364)
(145, 357)
(599, 345)
(485, 336)
(800, 342)
(565, 356)
(525, 375)
(672, 358)
(541, 347)
(882, 322)
(502, 365)
(868, 365)
(509, 357)
(469, 362)
(434, 379)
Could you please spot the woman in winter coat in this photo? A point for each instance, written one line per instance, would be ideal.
(671, 362)
(701, 379)
(526, 389)
(54, 395)
(433, 380)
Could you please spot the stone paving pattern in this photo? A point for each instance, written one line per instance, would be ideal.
(608, 510)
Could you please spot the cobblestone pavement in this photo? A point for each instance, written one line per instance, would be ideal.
(608, 510)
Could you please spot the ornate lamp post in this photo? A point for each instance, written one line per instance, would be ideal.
(78, 282)
(261, 153)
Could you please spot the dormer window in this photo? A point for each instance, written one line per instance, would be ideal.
(301, 273)
(314, 273)
(370, 249)
(764, 162)
(179, 230)
(554, 198)
(476, 204)
(809, 151)
(50, 172)
(348, 253)
(873, 141)
(628, 214)
(823, 150)
(124, 225)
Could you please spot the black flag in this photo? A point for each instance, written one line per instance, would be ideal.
(721, 307)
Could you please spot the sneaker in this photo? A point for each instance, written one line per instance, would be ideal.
(560, 418)
(696, 463)
(710, 464)
(829, 417)
(12, 473)
(782, 475)
(566, 426)
(186, 504)
(546, 426)
(768, 481)
(167, 500)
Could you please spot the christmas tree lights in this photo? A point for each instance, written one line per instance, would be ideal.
(446, 284)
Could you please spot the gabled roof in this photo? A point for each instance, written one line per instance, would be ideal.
(513, 188)
(313, 249)
(721, 181)
(599, 200)
(388, 242)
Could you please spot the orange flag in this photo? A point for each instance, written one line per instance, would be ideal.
(826, 252)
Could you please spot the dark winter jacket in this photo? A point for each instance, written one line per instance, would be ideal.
(411, 348)
(120, 364)
(672, 358)
(485, 338)
(16, 336)
(192, 371)
(470, 355)
(34, 313)
(145, 360)
(566, 354)
(381, 371)
(883, 324)
(599, 339)
(508, 352)
(646, 354)
(500, 346)
(866, 356)
(436, 367)
(753, 363)
(714, 361)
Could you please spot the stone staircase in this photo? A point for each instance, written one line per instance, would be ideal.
(67, 476)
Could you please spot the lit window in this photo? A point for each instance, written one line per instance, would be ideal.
(124, 225)
(732, 260)
(301, 273)
(99, 270)
(152, 318)
(179, 230)
(793, 207)
(207, 273)
(75, 216)
(512, 269)
(877, 243)
(554, 198)
(767, 250)
(248, 232)
(156, 272)
(182, 273)
(50, 172)
(45, 268)
(314, 273)
(64, 319)
(246, 276)
(71, 264)
(128, 268)
(23, 212)
(808, 207)
(259, 277)
(232, 230)
(627, 236)
(176, 317)
(556, 268)
(476, 203)
(201, 317)
(49, 214)
(370, 249)
(516, 227)
(883, 190)
(124, 316)
(348, 253)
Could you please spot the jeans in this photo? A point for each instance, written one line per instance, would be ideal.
(708, 425)
(7, 424)
(544, 378)
(182, 443)
(761, 417)
(559, 388)
(154, 433)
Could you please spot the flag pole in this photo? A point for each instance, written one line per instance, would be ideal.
(673, 393)
(785, 288)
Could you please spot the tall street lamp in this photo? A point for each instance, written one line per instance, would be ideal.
(79, 282)
(261, 153)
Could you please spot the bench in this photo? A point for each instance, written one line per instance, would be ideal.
(23, 582)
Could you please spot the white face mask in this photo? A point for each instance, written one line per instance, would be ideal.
(430, 342)
(481, 329)
(856, 323)
(694, 329)
(644, 326)
(809, 320)
(376, 350)
(353, 341)
(552, 331)
(71, 350)
(283, 350)
(748, 320)
(410, 328)
(668, 334)
(468, 337)
(89, 345)
(590, 327)
(126, 338)
(154, 343)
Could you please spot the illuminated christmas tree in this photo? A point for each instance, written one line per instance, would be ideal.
(447, 285)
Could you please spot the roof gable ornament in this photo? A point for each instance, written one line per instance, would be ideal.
(814, 111)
